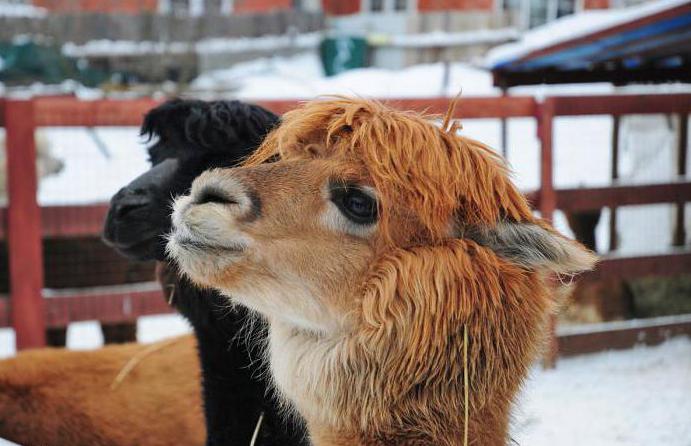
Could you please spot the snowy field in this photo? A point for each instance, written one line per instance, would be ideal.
(637, 397)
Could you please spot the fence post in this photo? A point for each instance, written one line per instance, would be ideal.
(613, 238)
(679, 238)
(24, 227)
(548, 203)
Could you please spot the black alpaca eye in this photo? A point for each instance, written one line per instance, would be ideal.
(358, 206)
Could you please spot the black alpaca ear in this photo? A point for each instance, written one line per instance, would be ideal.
(534, 247)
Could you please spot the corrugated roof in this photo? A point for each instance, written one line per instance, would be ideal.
(653, 46)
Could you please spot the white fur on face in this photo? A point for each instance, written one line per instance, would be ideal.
(203, 239)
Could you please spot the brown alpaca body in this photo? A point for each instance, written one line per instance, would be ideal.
(369, 304)
(55, 397)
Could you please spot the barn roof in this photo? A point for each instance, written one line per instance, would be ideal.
(647, 43)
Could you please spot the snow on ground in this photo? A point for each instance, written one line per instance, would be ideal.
(574, 26)
(87, 335)
(637, 397)
(16, 10)
(113, 48)
(303, 77)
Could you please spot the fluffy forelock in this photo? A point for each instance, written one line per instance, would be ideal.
(411, 161)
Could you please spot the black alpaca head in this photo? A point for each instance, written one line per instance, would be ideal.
(190, 137)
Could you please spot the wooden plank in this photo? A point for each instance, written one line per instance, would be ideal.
(548, 201)
(620, 104)
(472, 107)
(679, 238)
(73, 221)
(580, 199)
(61, 111)
(120, 303)
(677, 261)
(24, 227)
(70, 112)
(620, 335)
(5, 316)
(67, 221)
(106, 304)
(548, 198)
(468, 107)
(613, 236)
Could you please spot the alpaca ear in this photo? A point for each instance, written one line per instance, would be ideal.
(534, 247)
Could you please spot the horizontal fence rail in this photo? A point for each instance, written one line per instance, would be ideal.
(24, 223)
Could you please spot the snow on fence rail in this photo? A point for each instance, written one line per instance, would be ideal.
(24, 223)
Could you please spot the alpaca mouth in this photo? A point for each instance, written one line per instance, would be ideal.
(191, 244)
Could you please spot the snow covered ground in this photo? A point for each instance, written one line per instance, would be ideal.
(16, 10)
(637, 397)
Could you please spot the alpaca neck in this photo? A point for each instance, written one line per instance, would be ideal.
(314, 374)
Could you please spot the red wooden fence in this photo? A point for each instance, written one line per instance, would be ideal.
(24, 223)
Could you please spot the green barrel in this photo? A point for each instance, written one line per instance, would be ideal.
(343, 53)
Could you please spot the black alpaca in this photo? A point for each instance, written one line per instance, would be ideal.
(193, 136)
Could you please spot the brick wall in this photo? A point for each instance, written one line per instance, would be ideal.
(340, 7)
(455, 5)
(255, 6)
(109, 6)
(596, 4)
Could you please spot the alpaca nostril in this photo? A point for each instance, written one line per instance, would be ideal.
(210, 195)
(128, 200)
(125, 209)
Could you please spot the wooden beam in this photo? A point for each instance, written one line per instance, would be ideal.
(73, 221)
(591, 338)
(614, 176)
(71, 112)
(621, 104)
(468, 107)
(677, 261)
(581, 199)
(120, 303)
(5, 314)
(24, 227)
(679, 238)
(548, 202)
(106, 304)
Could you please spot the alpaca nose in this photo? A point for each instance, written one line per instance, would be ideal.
(238, 199)
(213, 195)
(128, 200)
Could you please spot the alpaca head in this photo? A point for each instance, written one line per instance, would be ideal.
(369, 237)
(190, 137)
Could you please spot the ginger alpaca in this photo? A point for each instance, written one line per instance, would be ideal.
(370, 239)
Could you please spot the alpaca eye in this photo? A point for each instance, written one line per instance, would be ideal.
(358, 206)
